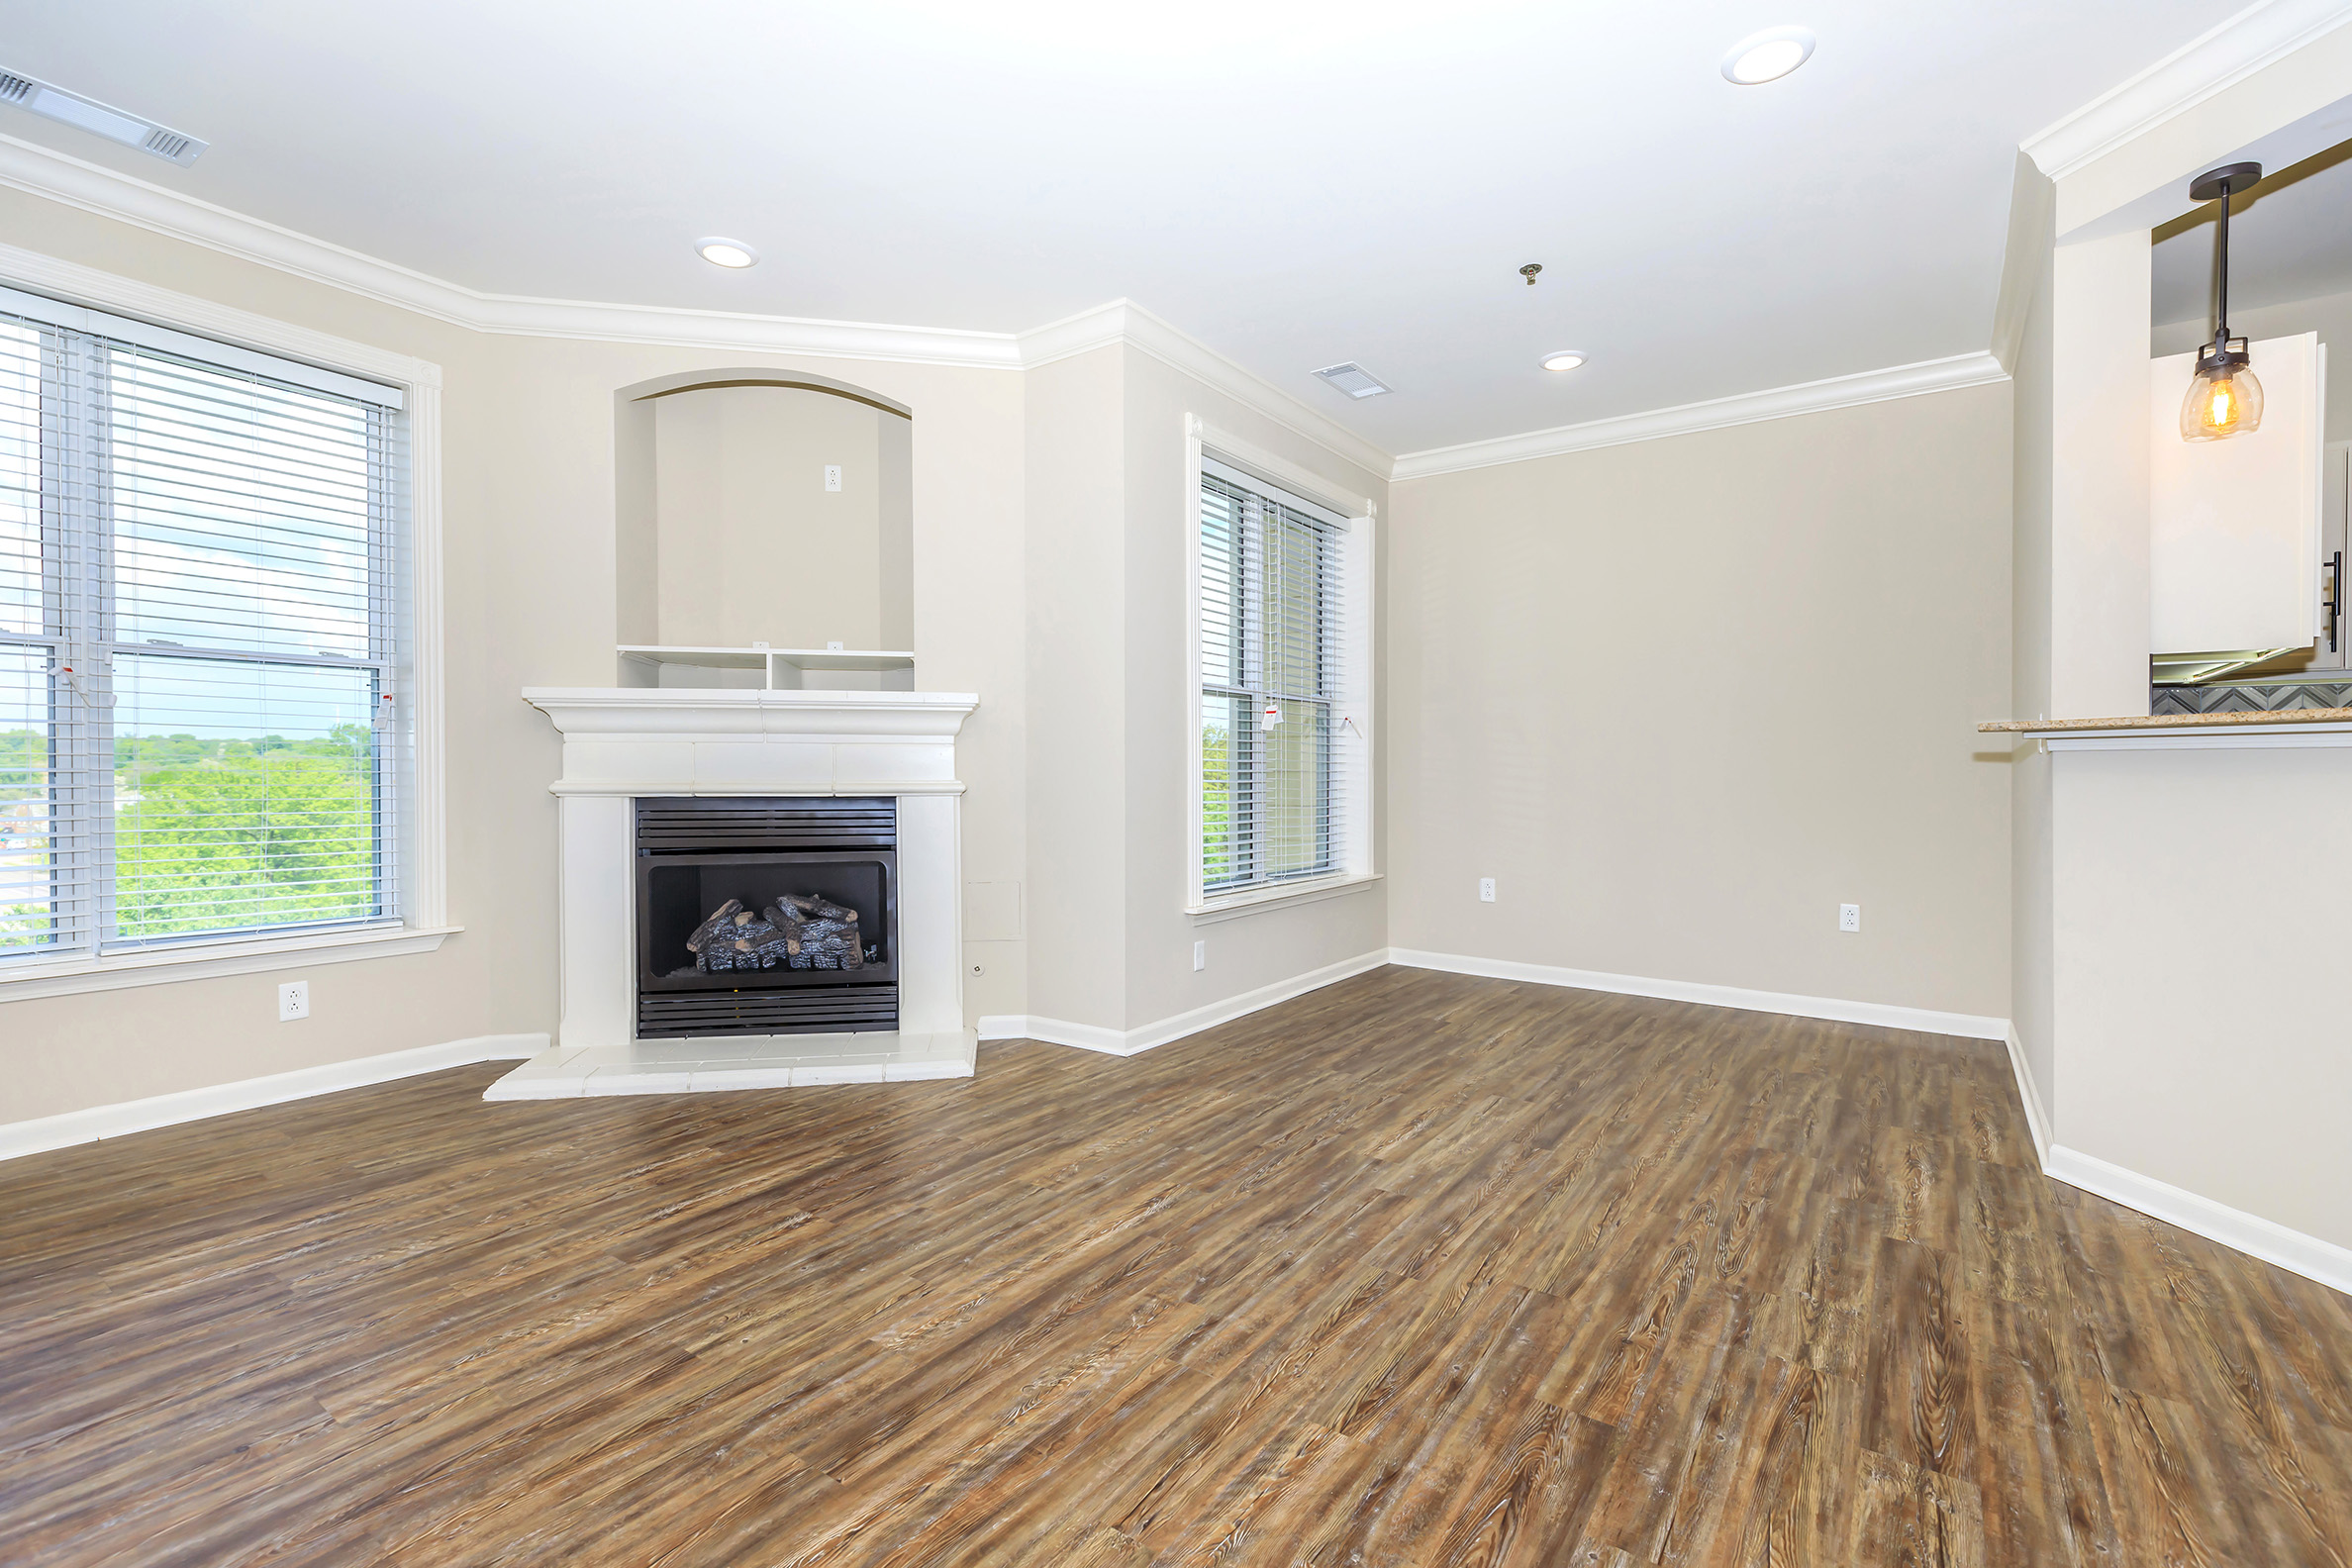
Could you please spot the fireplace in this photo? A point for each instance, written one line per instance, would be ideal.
(675, 801)
(767, 914)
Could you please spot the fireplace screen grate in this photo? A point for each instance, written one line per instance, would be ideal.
(837, 1009)
(766, 916)
(698, 825)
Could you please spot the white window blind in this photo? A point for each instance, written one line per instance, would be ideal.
(1271, 592)
(196, 640)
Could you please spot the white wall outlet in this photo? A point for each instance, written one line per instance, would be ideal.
(1849, 917)
(293, 1000)
(832, 476)
(1485, 890)
(833, 647)
(1200, 955)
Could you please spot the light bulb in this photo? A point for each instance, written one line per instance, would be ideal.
(2220, 405)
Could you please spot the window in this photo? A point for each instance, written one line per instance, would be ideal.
(1273, 584)
(198, 659)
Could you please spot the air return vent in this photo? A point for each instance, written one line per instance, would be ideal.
(1353, 379)
(88, 114)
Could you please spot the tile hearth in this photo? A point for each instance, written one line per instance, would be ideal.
(720, 1062)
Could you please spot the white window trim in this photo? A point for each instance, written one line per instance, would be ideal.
(1351, 755)
(424, 871)
(1307, 890)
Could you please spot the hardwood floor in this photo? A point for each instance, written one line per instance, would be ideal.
(1418, 1269)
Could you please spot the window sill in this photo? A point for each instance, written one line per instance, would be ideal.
(199, 962)
(1232, 905)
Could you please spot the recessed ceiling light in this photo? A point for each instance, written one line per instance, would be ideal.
(1563, 360)
(726, 253)
(1768, 55)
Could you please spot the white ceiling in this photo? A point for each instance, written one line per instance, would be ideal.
(2292, 239)
(1292, 181)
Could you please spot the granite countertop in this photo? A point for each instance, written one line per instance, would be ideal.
(2202, 721)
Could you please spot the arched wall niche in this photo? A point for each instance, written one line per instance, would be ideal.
(725, 533)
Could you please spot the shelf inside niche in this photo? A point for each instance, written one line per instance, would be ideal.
(767, 669)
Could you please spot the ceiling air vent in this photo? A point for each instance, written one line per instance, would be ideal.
(88, 114)
(1352, 379)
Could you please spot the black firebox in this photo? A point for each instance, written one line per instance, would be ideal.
(771, 915)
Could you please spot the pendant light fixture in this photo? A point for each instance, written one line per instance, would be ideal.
(2223, 397)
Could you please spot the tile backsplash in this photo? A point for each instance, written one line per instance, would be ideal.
(2268, 697)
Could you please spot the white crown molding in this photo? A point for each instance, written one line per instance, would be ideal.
(59, 177)
(2213, 63)
(55, 176)
(70, 281)
(1746, 408)
(783, 335)
(1124, 320)
(194, 1104)
(2034, 214)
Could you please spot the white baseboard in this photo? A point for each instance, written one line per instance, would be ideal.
(2293, 1250)
(2308, 1255)
(1054, 1031)
(2315, 1259)
(2037, 1116)
(1127, 1042)
(1924, 1020)
(194, 1104)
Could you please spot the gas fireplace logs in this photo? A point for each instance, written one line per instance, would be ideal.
(736, 938)
(801, 931)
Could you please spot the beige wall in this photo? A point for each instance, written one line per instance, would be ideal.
(751, 545)
(1045, 548)
(2098, 477)
(2199, 912)
(1251, 951)
(2177, 904)
(1076, 555)
(530, 593)
(2032, 462)
(1111, 944)
(1683, 698)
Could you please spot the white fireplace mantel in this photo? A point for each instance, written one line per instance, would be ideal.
(624, 742)
(671, 740)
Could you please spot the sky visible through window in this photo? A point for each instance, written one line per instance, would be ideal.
(241, 792)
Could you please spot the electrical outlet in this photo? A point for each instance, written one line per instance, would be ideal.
(1200, 955)
(1849, 917)
(293, 1000)
(1485, 890)
(832, 476)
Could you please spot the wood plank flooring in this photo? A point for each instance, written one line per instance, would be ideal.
(1418, 1269)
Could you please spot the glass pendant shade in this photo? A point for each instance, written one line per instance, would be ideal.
(2222, 401)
